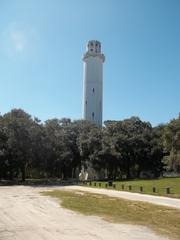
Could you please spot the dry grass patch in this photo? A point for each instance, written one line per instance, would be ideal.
(163, 220)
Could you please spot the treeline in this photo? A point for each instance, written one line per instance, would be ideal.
(60, 147)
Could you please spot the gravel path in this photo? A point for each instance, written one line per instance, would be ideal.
(165, 201)
(27, 215)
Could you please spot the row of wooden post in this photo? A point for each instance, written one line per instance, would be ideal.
(154, 190)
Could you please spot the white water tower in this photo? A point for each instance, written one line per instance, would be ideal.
(93, 83)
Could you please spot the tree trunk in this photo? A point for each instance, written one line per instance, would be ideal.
(128, 170)
(23, 173)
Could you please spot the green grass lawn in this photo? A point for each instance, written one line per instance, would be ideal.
(162, 220)
(160, 185)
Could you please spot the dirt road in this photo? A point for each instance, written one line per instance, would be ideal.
(27, 215)
(163, 201)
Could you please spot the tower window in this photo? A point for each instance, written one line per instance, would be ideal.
(86, 102)
(93, 90)
(93, 115)
(91, 49)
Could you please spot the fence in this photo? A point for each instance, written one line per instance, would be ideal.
(131, 188)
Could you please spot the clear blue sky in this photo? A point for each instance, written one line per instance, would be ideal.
(41, 48)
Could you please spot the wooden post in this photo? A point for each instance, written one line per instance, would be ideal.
(122, 186)
(99, 184)
(167, 190)
(110, 183)
(106, 185)
(95, 184)
(114, 185)
(141, 189)
(130, 187)
(154, 189)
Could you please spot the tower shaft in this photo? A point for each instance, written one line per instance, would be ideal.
(93, 83)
